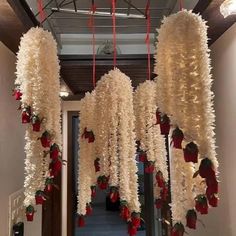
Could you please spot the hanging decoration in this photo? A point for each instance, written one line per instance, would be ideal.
(151, 150)
(87, 156)
(37, 87)
(185, 96)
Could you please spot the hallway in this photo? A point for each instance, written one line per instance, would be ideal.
(104, 223)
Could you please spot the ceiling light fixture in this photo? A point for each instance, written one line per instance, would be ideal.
(64, 93)
(228, 7)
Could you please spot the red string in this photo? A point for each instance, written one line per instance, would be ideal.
(41, 11)
(148, 38)
(114, 30)
(180, 5)
(91, 25)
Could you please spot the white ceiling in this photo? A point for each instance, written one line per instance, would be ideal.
(74, 36)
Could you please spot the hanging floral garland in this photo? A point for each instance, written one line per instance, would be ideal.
(87, 156)
(184, 85)
(37, 87)
(116, 141)
(152, 149)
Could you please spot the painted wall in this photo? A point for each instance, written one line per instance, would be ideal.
(221, 221)
(11, 144)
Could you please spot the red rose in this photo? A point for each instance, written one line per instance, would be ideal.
(191, 219)
(46, 139)
(17, 94)
(201, 204)
(177, 138)
(89, 210)
(124, 213)
(160, 179)
(81, 221)
(164, 193)
(177, 230)
(97, 164)
(212, 186)
(93, 191)
(206, 169)
(142, 157)
(56, 167)
(158, 117)
(213, 201)
(191, 153)
(102, 182)
(149, 168)
(114, 195)
(165, 125)
(132, 230)
(30, 216)
(135, 219)
(91, 137)
(25, 117)
(159, 203)
(54, 151)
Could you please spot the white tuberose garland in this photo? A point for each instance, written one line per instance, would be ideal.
(86, 153)
(38, 79)
(116, 137)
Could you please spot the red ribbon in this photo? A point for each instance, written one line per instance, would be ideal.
(91, 25)
(114, 30)
(180, 5)
(148, 38)
(41, 11)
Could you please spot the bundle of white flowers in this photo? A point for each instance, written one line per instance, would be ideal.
(184, 85)
(38, 84)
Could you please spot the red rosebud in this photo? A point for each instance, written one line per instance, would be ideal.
(46, 139)
(30, 217)
(177, 230)
(124, 212)
(201, 204)
(191, 219)
(206, 169)
(159, 203)
(160, 179)
(39, 200)
(149, 168)
(158, 117)
(81, 221)
(17, 94)
(177, 138)
(93, 191)
(212, 186)
(48, 188)
(30, 213)
(164, 193)
(91, 137)
(191, 153)
(213, 201)
(89, 210)
(135, 219)
(142, 157)
(25, 117)
(54, 151)
(36, 126)
(132, 230)
(165, 125)
(56, 167)
(102, 182)
(114, 196)
(97, 165)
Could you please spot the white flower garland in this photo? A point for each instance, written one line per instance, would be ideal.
(39, 83)
(151, 141)
(116, 137)
(86, 153)
(184, 86)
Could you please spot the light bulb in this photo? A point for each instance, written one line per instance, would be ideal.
(228, 7)
(64, 94)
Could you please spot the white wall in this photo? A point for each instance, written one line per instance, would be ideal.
(11, 144)
(221, 221)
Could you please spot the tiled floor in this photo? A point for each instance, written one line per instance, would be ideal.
(104, 223)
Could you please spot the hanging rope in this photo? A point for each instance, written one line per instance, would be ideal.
(148, 18)
(114, 30)
(91, 25)
(41, 11)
